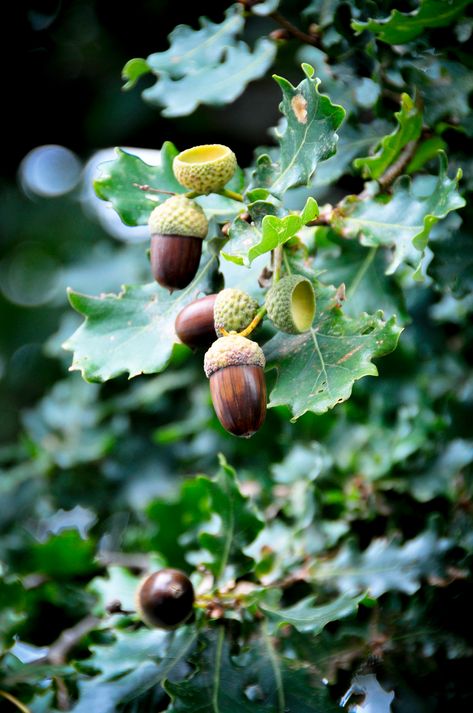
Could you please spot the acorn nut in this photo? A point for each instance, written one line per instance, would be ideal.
(205, 169)
(194, 324)
(233, 310)
(290, 304)
(234, 365)
(165, 599)
(177, 228)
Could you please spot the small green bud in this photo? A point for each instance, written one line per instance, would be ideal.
(290, 304)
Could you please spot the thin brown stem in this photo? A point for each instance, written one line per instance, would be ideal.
(395, 170)
(69, 638)
(150, 189)
(295, 31)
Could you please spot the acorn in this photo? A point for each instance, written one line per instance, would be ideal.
(205, 169)
(177, 228)
(234, 365)
(233, 310)
(290, 304)
(194, 324)
(165, 599)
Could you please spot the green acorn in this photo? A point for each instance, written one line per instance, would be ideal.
(233, 310)
(234, 366)
(205, 169)
(290, 304)
(177, 228)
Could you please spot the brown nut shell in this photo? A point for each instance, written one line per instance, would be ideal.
(239, 398)
(175, 259)
(195, 322)
(165, 599)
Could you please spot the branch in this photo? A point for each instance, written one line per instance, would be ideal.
(395, 170)
(295, 31)
(69, 638)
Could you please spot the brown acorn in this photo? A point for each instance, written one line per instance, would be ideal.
(177, 228)
(165, 599)
(194, 324)
(235, 367)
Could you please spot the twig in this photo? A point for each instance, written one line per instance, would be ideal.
(295, 31)
(15, 701)
(395, 170)
(150, 189)
(69, 638)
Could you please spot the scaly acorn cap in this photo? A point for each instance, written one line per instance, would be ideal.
(232, 351)
(206, 168)
(233, 310)
(290, 304)
(179, 216)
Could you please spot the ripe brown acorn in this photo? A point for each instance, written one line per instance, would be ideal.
(235, 367)
(165, 599)
(194, 324)
(177, 228)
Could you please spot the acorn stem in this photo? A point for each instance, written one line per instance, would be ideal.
(251, 327)
(231, 194)
(254, 322)
(277, 258)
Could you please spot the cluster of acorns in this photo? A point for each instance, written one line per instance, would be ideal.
(234, 364)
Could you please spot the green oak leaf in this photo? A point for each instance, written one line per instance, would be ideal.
(216, 85)
(183, 524)
(306, 617)
(250, 240)
(402, 27)
(134, 663)
(119, 181)
(363, 272)
(452, 266)
(404, 221)
(354, 141)
(215, 684)
(189, 49)
(317, 369)
(308, 137)
(239, 526)
(132, 332)
(384, 566)
(445, 86)
(119, 585)
(63, 556)
(258, 679)
(409, 120)
(133, 70)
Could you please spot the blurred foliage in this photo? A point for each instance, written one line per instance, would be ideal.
(353, 527)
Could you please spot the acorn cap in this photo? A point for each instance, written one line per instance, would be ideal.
(232, 351)
(233, 310)
(206, 168)
(178, 216)
(291, 304)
